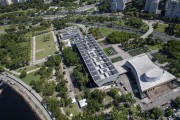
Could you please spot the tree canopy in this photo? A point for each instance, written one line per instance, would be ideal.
(119, 37)
(70, 57)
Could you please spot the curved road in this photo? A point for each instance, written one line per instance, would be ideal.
(150, 30)
(35, 97)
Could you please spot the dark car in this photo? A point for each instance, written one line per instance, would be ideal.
(125, 88)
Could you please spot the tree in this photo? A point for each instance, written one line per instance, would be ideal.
(155, 26)
(93, 106)
(135, 22)
(119, 37)
(89, 116)
(119, 114)
(169, 112)
(88, 94)
(1, 69)
(104, 7)
(113, 92)
(70, 57)
(59, 23)
(23, 74)
(177, 102)
(98, 95)
(49, 88)
(53, 106)
(61, 89)
(156, 112)
(37, 85)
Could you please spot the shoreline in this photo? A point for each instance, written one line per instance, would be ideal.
(37, 112)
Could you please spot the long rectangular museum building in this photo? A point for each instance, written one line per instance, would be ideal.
(98, 64)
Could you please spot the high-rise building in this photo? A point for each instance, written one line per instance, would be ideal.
(118, 5)
(5, 2)
(151, 6)
(8, 2)
(173, 8)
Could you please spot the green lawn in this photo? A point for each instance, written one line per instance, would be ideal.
(30, 77)
(104, 42)
(44, 46)
(161, 27)
(74, 109)
(160, 58)
(138, 51)
(106, 31)
(155, 47)
(116, 59)
(3, 27)
(28, 68)
(107, 99)
(109, 51)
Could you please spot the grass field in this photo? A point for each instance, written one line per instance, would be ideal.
(155, 47)
(102, 43)
(44, 45)
(160, 58)
(161, 28)
(3, 27)
(106, 31)
(29, 68)
(107, 99)
(116, 59)
(138, 51)
(74, 109)
(30, 77)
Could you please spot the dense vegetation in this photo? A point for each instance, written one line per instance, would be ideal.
(96, 33)
(14, 50)
(81, 76)
(95, 100)
(65, 3)
(104, 7)
(59, 23)
(135, 22)
(139, 42)
(53, 106)
(172, 49)
(173, 29)
(35, 4)
(70, 56)
(119, 37)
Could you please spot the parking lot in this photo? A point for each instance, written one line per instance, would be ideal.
(127, 84)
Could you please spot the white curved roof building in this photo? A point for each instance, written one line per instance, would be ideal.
(147, 74)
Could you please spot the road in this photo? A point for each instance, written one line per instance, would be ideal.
(164, 37)
(55, 40)
(35, 97)
(70, 86)
(150, 30)
(85, 8)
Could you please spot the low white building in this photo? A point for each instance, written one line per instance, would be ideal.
(82, 103)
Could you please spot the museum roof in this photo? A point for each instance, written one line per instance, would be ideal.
(148, 74)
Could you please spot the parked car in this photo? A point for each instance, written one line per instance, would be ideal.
(64, 67)
(121, 83)
(125, 88)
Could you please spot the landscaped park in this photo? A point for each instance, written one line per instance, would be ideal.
(44, 45)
